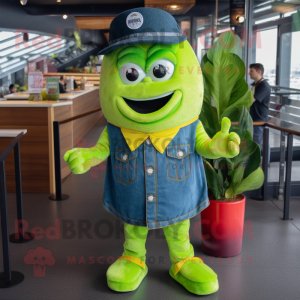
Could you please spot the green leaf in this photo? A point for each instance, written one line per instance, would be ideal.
(209, 116)
(207, 92)
(220, 182)
(246, 149)
(254, 181)
(232, 114)
(236, 178)
(247, 135)
(252, 162)
(245, 121)
(229, 193)
(239, 90)
(225, 165)
(222, 59)
(204, 60)
(245, 100)
(210, 131)
(240, 66)
(212, 179)
(237, 175)
(235, 129)
(227, 41)
(221, 81)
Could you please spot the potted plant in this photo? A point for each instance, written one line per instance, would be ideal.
(223, 220)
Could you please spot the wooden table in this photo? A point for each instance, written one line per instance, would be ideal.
(37, 156)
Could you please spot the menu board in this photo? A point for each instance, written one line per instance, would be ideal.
(52, 88)
(35, 82)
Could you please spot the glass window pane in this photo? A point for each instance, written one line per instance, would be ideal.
(271, 10)
(295, 61)
(266, 52)
(290, 60)
(186, 29)
(203, 36)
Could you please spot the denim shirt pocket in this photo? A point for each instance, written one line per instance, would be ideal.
(125, 165)
(178, 162)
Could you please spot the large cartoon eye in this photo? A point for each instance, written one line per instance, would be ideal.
(161, 70)
(131, 73)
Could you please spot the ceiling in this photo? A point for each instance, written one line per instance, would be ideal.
(105, 7)
(76, 2)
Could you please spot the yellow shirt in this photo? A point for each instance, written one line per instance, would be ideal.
(160, 140)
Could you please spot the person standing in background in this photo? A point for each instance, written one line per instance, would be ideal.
(261, 99)
(12, 89)
(62, 83)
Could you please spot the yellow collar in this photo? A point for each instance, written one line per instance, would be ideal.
(160, 140)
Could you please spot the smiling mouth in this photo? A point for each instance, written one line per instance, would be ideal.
(147, 106)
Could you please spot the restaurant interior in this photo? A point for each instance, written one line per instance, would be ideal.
(50, 86)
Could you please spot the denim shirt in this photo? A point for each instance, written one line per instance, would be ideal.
(146, 188)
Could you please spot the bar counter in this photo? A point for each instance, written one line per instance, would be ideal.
(36, 147)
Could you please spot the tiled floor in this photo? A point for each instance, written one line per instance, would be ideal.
(267, 268)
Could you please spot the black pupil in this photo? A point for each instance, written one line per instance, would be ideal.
(132, 74)
(159, 71)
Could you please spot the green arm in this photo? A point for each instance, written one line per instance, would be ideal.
(223, 143)
(202, 143)
(80, 160)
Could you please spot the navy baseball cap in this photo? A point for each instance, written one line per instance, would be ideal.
(143, 25)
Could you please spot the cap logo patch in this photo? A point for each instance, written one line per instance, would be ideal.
(134, 20)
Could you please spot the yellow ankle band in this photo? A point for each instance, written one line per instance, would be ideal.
(180, 264)
(133, 259)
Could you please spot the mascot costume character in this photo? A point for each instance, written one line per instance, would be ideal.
(151, 94)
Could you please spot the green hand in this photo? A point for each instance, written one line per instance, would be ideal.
(79, 159)
(225, 144)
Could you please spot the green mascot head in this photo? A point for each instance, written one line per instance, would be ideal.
(150, 77)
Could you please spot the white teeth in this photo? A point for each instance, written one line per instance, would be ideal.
(146, 99)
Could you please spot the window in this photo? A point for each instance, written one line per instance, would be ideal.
(290, 60)
(266, 52)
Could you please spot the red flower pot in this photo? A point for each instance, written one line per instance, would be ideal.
(222, 225)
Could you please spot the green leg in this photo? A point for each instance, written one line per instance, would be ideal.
(194, 275)
(124, 275)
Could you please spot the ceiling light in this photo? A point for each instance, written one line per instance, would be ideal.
(263, 8)
(175, 7)
(240, 19)
(267, 20)
(65, 17)
(23, 2)
(58, 0)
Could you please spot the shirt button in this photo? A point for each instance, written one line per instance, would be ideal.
(180, 153)
(150, 171)
(151, 197)
(124, 157)
(148, 142)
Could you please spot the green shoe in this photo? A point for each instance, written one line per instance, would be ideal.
(125, 276)
(196, 277)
